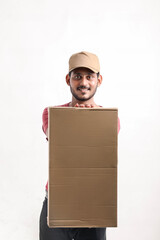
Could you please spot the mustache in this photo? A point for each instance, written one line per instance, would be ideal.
(83, 87)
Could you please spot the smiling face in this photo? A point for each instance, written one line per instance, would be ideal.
(83, 83)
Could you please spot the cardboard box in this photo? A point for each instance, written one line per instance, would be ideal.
(82, 167)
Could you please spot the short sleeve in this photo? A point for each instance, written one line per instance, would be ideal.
(45, 120)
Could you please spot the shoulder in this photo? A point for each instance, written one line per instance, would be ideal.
(45, 111)
(63, 105)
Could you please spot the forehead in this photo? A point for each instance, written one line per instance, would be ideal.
(82, 70)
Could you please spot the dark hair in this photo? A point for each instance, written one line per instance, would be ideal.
(72, 71)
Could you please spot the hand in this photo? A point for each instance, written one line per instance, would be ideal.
(84, 105)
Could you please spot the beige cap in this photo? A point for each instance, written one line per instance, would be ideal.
(84, 59)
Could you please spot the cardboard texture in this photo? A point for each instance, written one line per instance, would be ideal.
(82, 167)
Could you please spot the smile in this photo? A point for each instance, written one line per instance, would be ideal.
(83, 89)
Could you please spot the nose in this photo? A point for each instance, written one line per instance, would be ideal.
(84, 80)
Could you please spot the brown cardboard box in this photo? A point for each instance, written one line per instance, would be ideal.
(82, 167)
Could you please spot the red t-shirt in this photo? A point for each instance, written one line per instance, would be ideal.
(45, 123)
(45, 117)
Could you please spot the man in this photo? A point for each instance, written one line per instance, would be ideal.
(83, 78)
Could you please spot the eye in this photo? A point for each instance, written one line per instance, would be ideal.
(77, 77)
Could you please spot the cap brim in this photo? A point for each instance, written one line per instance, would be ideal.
(79, 66)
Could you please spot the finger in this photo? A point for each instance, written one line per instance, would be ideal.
(77, 105)
(82, 105)
(88, 105)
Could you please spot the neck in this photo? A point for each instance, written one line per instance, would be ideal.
(75, 101)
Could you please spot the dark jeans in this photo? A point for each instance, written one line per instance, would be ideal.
(47, 233)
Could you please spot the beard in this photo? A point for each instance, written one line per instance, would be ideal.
(83, 98)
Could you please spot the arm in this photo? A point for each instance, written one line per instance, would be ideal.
(45, 122)
(47, 132)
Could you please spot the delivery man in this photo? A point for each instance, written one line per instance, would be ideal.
(83, 79)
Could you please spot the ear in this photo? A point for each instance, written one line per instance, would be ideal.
(68, 79)
(100, 80)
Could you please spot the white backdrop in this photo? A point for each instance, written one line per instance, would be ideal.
(37, 38)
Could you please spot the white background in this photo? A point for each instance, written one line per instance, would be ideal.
(37, 38)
